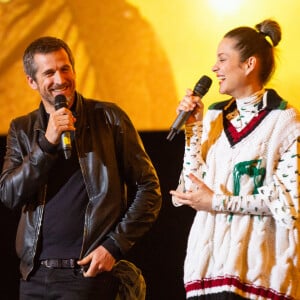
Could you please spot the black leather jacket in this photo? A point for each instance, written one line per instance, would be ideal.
(111, 158)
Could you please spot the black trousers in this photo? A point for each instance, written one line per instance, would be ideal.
(68, 284)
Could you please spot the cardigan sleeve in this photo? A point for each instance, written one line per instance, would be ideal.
(192, 159)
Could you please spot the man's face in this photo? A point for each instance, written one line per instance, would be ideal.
(54, 76)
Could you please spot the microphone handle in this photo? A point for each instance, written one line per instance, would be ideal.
(178, 123)
(66, 144)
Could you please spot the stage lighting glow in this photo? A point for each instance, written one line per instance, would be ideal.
(226, 6)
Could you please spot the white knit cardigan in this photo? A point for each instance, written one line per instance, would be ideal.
(249, 244)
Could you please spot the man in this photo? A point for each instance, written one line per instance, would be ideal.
(76, 218)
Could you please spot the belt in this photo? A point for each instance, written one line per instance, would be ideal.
(60, 263)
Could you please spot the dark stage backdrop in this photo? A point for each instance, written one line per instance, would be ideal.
(159, 254)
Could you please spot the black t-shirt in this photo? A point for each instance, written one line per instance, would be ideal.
(66, 201)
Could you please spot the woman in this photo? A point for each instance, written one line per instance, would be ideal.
(240, 173)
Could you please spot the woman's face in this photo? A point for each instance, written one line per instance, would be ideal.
(231, 72)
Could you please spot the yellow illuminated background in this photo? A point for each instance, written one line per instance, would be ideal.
(141, 54)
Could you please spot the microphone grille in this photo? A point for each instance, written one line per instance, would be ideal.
(60, 101)
(202, 86)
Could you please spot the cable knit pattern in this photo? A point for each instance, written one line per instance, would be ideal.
(249, 245)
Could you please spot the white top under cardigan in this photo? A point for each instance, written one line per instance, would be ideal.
(249, 245)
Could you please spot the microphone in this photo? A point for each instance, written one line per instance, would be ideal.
(61, 101)
(200, 89)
